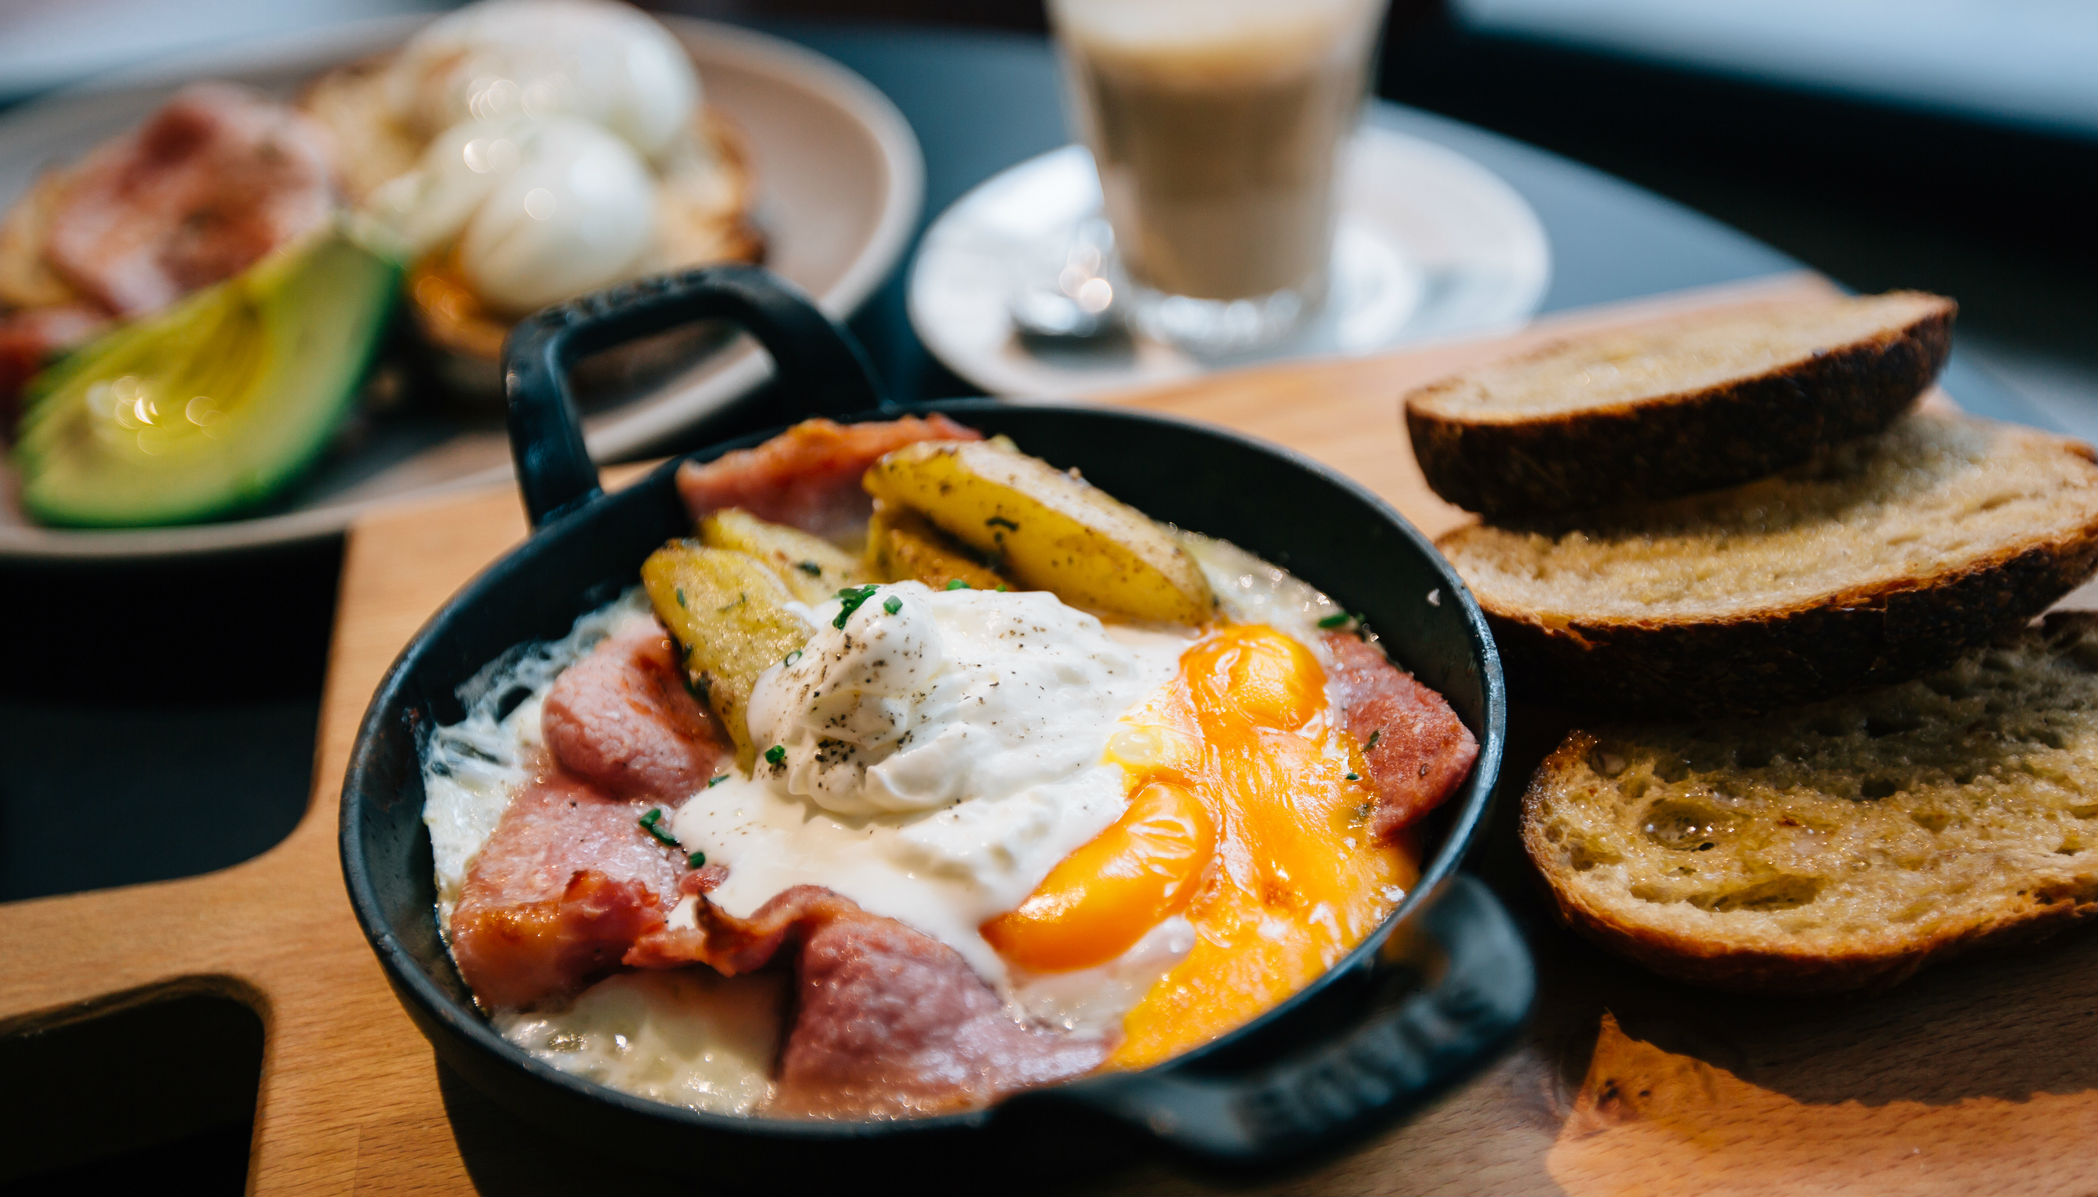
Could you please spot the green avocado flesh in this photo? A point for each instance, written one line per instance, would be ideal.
(214, 405)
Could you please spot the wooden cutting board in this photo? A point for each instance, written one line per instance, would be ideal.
(1978, 1076)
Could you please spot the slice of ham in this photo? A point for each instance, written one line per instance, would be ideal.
(888, 1021)
(1421, 750)
(566, 885)
(215, 179)
(622, 719)
(809, 475)
(571, 879)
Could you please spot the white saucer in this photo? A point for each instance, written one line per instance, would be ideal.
(1430, 245)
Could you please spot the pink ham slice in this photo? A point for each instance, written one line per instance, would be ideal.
(809, 475)
(571, 879)
(217, 178)
(622, 719)
(888, 1021)
(566, 885)
(1421, 750)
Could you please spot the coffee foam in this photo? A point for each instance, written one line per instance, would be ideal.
(1213, 41)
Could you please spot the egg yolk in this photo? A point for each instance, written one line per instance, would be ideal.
(1248, 816)
(1101, 899)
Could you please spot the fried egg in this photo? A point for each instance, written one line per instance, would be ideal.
(1158, 831)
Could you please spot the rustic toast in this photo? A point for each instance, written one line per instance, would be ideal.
(1878, 560)
(1711, 400)
(1843, 844)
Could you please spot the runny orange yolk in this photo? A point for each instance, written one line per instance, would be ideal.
(1247, 814)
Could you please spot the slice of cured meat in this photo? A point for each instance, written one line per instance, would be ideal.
(559, 893)
(809, 475)
(888, 1021)
(622, 719)
(1416, 748)
(217, 178)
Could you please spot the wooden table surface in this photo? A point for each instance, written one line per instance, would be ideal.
(1981, 1075)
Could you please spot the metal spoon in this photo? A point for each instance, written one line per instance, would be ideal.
(1079, 304)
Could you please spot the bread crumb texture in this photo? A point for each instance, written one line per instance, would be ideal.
(1681, 357)
(1898, 822)
(1934, 495)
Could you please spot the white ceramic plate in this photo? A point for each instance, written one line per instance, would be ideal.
(840, 183)
(1430, 245)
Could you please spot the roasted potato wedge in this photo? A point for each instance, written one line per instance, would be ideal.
(729, 614)
(1046, 529)
(903, 547)
(813, 568)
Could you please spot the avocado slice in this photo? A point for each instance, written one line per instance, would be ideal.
(214, 405)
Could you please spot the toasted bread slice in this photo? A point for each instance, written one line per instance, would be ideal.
(1839, 845)
(1711, 400)
(1877, 561)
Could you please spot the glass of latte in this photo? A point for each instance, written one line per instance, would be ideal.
(1215, 126)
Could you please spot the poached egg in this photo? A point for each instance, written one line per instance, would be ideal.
(549, 126)
(931, 756)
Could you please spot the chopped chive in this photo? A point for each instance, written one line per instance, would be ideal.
(999, 521)
(810, 568)
(791, 657)
(776, 755)
(697, 860)
(892, 604)
(1372, 741)
(652, 824)
(851, 598)
(1354, 777)
(716, 780)
(956, 584)
(1001, 589)
(1335, 620)
(680, 596)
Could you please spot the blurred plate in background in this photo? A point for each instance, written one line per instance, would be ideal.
(840, 181)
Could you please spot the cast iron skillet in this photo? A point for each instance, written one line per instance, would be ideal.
(1394, 1023)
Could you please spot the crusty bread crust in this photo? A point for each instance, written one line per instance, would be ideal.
(1677, 443)
(1758, 660)
(1764, 969)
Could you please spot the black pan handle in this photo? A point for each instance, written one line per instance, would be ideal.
(1397, 1056)
(815, 363)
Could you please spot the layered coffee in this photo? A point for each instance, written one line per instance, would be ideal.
(1215, 126)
